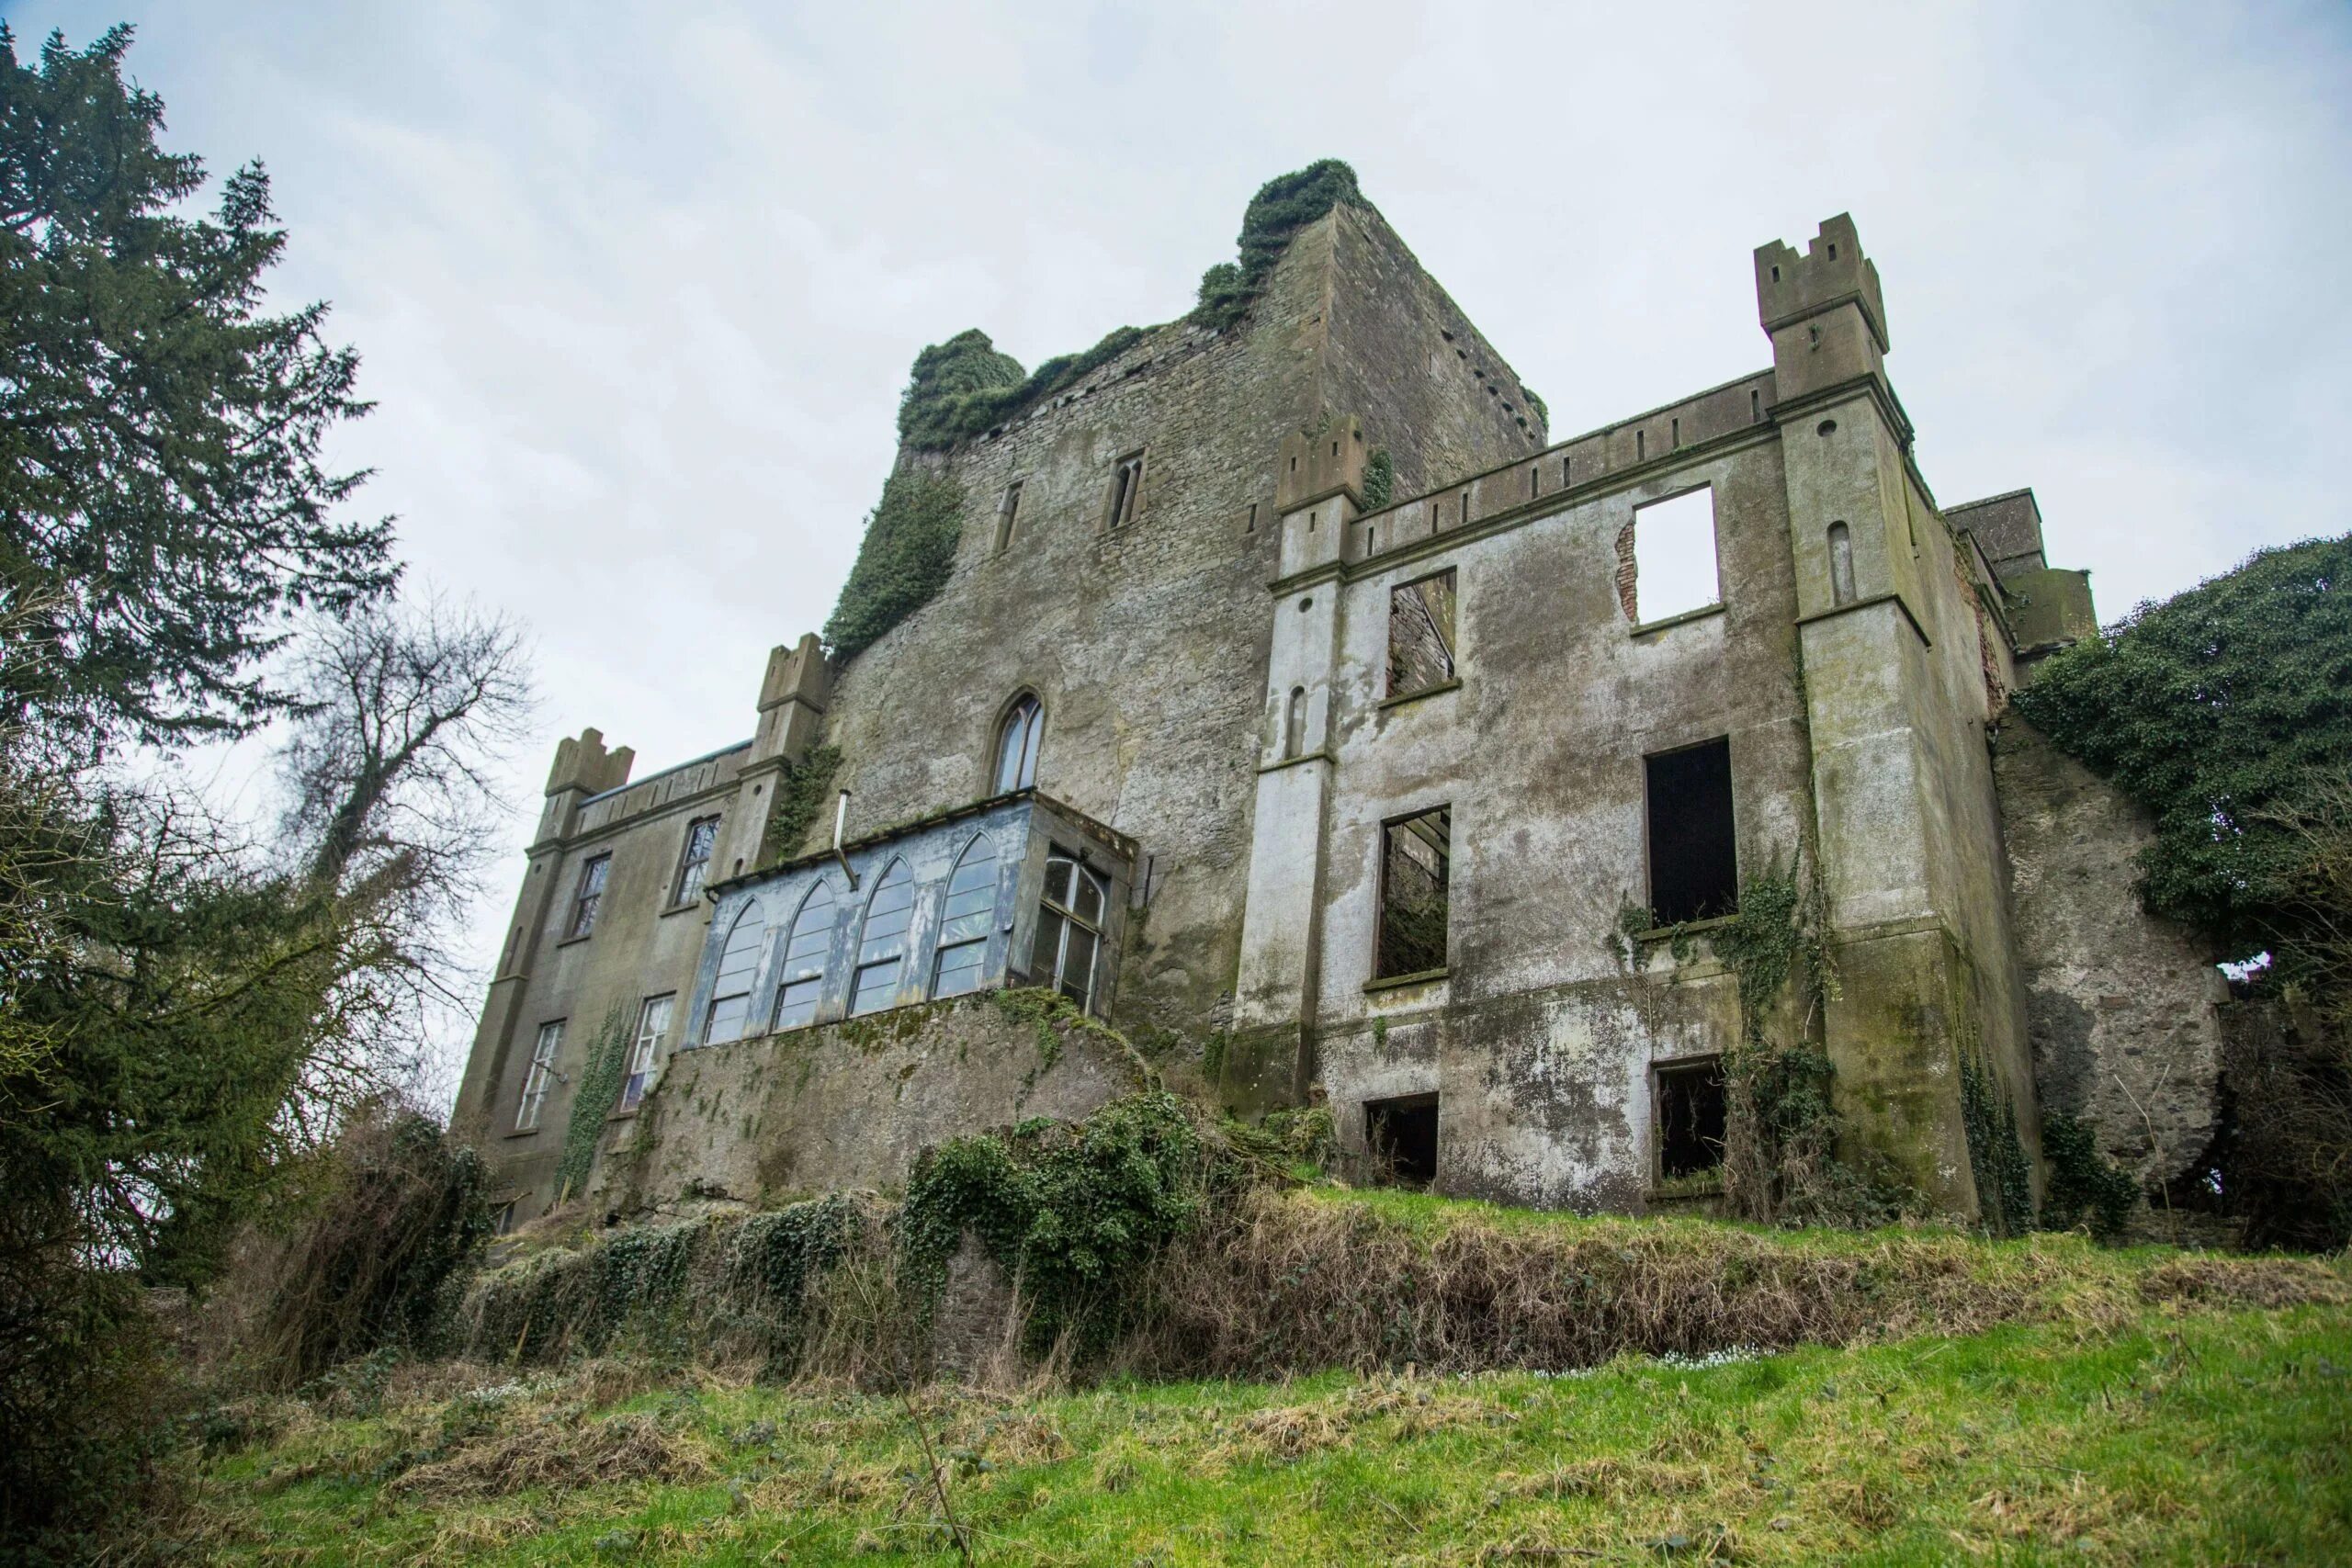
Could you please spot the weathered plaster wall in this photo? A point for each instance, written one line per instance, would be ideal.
(851, 1104)
(2121, 1006)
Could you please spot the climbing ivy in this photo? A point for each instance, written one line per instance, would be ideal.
(600, 1088)
(903, 561)
(965, 386)
(1995, 1156)
(2083, 1189)
(1527, 395)
(1379, 479)
(800, 791)
(1073, 1212)
(1283, 206)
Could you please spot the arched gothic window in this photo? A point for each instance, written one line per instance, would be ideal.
(805, 952)
(1017, 746)
(882, 941)
(964, 923)
(730, 994)
(1070, 931)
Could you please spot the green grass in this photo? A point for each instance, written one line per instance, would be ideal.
(2171, 1435)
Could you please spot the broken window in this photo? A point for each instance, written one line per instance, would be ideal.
(882, 941)
(589, 896)
(1070, 931)
(965, 921)
(1401, 1136)
(1017, 746)
(694, 861)
(1008, 512)
(1690, 1119)
(802, 980)
(1673, 557)
(653, 1023)
(1841, 564)
(731, 993)
(1127, 491)
(1414, 856)
(1420, 634)
(1694, 862)
(541, 1074)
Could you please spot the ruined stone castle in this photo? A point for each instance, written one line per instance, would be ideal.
(1300, 708)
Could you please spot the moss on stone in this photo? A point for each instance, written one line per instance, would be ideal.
(1379, 479)
(965, 386)
(1283, 206)
(800, 790)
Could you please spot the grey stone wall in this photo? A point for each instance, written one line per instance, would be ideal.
(2121, 1006)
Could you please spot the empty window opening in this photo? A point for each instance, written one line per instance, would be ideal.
(1755, 407)
(965, 921)
(1567, 471)
(882, 941)
(1126, 491)
(1008, 512)
(1641, 441)
(1370, 541)
(1815, 333)
(731, 992)
(1694, 860)
(653, 1027)
(694, 861)
(1401, 1137)
(1420, 634)
(1017, 740)
(1673, 557)
(1294, 722)
(1832, 253)
(1841, 565)
(1065, 955)
(802, 981)
(540, 1074)
(1677, 433)
(1690, 1119)
(1253, 518)
(1466, 506)
(1776, 275)
(1534, 482)
(590, 895)
(1416, 855)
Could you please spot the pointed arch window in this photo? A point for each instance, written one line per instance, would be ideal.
(882, 941)
(1294, 722)
(1017, 746)
(964, 923)
(805, 951)
(731, 993)
(1070, 931)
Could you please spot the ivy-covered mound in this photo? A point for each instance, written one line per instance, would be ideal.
(904, 560)
(1283, 206)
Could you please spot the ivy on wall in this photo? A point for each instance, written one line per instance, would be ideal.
(904, 560)
(800, 791)
(965, 386)
(1995, 1156)
(1283, 206)
(600, 1090)
(1379, 479)
(2083, 1189)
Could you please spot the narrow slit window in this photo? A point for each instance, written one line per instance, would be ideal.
(1008, 514)
(1416, 857)
(1401, 1137)
(1068, 948)
(653, 1027)
(1127, 491)
(1673, 557)
(731, 992)
(882, 941)
(965, 921)
(589, 896)
(1693, 849)
(1294, 722)
(1677, 433)
(1691, 1120)
(1841, 564)
(1420, 634)
(1640, 443)
(694, 861)
(1017, 740)
(801, 984)
(1755, 407)
(540, 1074)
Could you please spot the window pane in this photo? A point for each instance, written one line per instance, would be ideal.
(1078, 966)
(959, 969)
(795, 1004)
(1089, 907)
(1046, 954)
(877, 986)
(970, 908)
(888, 914)
(812, 936)
(1058, 875)
(727, 1018)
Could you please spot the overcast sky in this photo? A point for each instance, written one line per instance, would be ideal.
(637, 287)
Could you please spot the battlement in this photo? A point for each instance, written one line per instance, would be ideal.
(583, 764)
(1832, 272)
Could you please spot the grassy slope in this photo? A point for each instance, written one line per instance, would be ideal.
(2129, 1424)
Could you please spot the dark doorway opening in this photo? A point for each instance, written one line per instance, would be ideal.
(1694, 861)
(1690, 1119)
(1402, 1135)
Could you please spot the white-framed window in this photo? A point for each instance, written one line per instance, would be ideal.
(805, 951)
(653, 1027)
(1017, 740)
(1070, 931)
(731, 992)
(589, 896)
(969, 912)
(882, 941)
(693, 860)
(542, 1074)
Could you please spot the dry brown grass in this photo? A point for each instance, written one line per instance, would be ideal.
(558, 1456)
(2213, 1280)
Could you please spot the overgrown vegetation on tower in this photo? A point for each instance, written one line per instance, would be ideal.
(904, 560)
(1283, 206)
